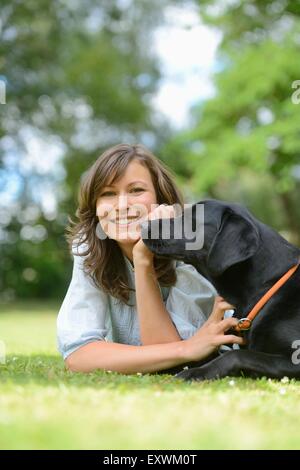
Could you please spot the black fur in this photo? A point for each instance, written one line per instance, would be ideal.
(243, 258)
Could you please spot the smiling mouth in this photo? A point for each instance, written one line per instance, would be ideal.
(125, 222)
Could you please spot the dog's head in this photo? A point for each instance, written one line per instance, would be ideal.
(212, 235)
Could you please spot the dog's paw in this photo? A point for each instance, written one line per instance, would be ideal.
(199, 374)
(190, 374)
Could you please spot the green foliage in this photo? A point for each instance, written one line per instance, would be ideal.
(250, 129)
(80, 77)
(249, 21)
(252, 122)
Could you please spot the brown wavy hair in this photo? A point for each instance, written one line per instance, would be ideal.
(103, 259)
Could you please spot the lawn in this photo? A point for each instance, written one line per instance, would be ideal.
(43, 406)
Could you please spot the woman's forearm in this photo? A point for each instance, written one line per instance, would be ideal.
(126, 359)
(155, 323)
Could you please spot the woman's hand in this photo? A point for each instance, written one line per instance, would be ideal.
(141, 254)
(212, 334)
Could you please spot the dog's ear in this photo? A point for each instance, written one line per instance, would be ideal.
(236, 240)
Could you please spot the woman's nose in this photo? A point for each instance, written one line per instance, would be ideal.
(123, 202)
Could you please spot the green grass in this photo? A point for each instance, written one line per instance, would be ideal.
(42, 406)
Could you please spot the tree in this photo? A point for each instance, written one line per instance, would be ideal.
(79, 76)
(250, 129)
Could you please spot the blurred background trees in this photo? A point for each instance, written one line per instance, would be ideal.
(81, 76)
(244, 142)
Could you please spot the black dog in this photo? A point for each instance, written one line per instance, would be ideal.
(243, 258)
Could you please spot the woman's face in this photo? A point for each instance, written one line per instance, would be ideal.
(122, 206)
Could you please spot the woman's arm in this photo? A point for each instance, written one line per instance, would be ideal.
(156, 326)
(129, 359)
(125, 358)
(155, 323)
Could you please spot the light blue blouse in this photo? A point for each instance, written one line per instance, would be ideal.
(88, 314)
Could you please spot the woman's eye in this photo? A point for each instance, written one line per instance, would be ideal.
(112, 193)
(137, 189)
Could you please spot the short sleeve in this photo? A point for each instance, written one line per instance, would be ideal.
(82, 316)
(190, 300)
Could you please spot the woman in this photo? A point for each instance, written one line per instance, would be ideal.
(127, 310)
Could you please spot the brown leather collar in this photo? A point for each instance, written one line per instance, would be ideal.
(244, 324)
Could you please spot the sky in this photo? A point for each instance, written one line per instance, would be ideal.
(187, 51)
